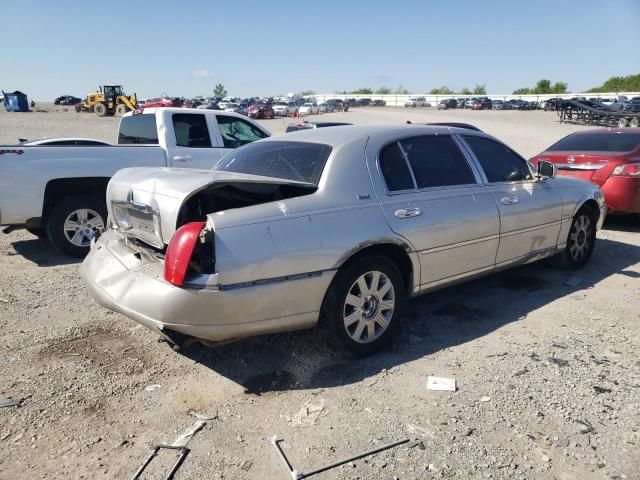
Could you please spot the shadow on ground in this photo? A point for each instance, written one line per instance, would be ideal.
(432, 322)
(40, 252)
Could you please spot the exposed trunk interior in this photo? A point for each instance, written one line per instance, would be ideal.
(224, 196)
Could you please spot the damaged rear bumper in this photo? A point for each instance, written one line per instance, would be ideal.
(122, 279)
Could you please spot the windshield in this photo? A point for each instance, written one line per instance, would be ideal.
(598, 142)
(297, 161)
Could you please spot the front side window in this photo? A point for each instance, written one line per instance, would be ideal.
(191, 130)
(500, 164)
(437, 161)
(237, 132)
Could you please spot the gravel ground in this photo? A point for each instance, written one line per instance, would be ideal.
(545, 361)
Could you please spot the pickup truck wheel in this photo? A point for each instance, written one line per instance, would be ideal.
(100, 109)
(580, 241)
(361, 310)
(73, 223)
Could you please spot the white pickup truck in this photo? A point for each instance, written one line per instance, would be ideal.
(58, 192)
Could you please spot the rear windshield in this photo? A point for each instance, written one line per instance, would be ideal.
(598, 142)
(297, 161)
(138, 129)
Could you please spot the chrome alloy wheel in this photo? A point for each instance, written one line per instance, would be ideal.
(369, 307)
(580, 238)
(80, 226)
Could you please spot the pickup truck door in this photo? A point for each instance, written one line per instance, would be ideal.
(192, 140)
(530, 210)
(432, 195)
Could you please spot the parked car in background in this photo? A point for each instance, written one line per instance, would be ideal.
(261, 110)
(378, 103)
(447, 104)
(462, 102)
(416, 102)
(337, 226)
(632, 106)
(285, 109)
(193, 103)
(608, 157)
(63, 142)
(308, 109)
(210, 105)
(363, 102)
(553, 104)
(162, 102)
(294, 127)
(232, 107)
(326, 107)
(500, 105)
(67, 100)
(58, 192)
(59, 99)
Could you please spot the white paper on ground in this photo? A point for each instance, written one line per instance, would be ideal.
(440, 383)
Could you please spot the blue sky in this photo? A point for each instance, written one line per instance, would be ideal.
(256, 47)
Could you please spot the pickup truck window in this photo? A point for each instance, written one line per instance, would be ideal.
(237, 132)
(191, 130)
(138, 129)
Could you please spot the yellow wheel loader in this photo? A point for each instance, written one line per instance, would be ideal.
(110, 100)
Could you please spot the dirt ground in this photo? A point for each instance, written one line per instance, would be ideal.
(545, 360)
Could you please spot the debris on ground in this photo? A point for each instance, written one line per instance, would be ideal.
(152, 388)
(308, 415)
(485, 398)
(441, 384)
(184, 439)
(573, 281)
(10, 402)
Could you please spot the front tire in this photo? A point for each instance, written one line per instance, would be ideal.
(361, 310)
(73, 222)
(581, 240)
(121, 109)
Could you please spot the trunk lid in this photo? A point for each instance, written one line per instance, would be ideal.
(146, 203)
(591, 166)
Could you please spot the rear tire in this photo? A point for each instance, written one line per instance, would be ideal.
(635, 122)
(362, 307)
(622, 122)
(100, 109)
(72, 224)
(581, 240)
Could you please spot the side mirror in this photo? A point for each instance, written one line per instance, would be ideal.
(547, 170)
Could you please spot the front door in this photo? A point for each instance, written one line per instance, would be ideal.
(530, 210)
(434, 198)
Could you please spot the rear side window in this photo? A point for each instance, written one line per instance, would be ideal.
(237, 132)
(297, 161)
(499, 163)
(395, 169)
(191, 130)
(138, 129)
(437, 161)
(598, 142)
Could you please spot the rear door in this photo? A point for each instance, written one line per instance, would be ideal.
(192, 141)
(432, 195)
(530, 210)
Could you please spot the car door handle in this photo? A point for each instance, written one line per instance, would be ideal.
(408, 212)
(181, 158)
(509, 200)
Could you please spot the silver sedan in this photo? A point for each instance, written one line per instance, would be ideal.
(335, 225)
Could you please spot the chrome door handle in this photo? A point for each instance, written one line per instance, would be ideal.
(408, 212)
(509, 200)
(181, 158)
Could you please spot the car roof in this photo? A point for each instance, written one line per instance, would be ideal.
(607, 130)
(335, 136)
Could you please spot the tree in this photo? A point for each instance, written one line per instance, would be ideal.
(630, 83)
(465, 91)
(219, 90)
(542, 87)
(363, 91)
(480, 89)
(559, 87)
(441, 91)
(383, 91)
(402, 91)
(306, 93)
(522, 91)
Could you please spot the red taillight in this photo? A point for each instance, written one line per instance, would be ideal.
(629, 170)
(179, 251)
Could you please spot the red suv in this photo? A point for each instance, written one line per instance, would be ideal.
(608, 157)
(261, 110)
(162, 102)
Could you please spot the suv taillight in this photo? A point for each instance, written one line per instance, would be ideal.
(629, 170)
(179, 251)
